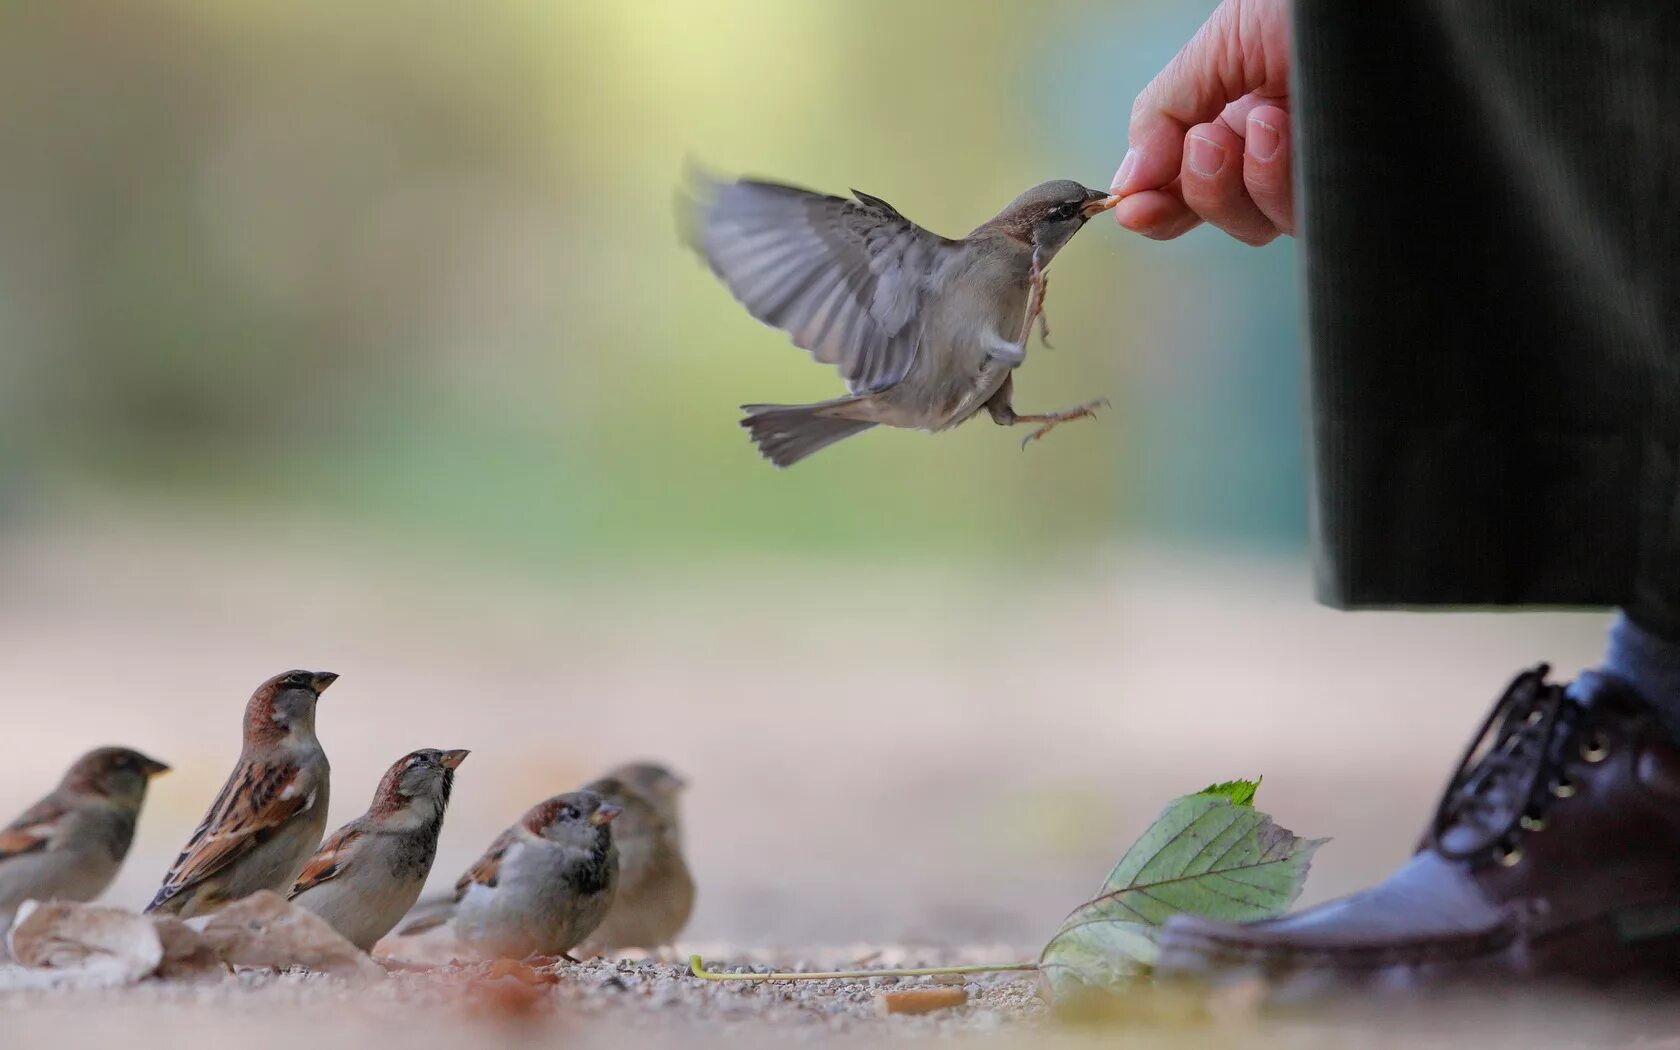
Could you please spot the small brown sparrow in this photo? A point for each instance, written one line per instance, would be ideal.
(368, 873)
(926, 330)
(270, 814)
(543, 886)
(70, 845)
(655, 890)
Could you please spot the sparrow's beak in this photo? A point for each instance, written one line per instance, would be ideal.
(1100, 205)
(453, 759)
(321, 680)
(605, 814)
(154, 768)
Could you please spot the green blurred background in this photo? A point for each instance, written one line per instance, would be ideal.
(412, 270)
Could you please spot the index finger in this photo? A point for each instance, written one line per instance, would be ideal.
(1241, 48)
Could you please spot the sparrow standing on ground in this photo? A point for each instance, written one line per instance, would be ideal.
(927, 331)
(69, 845)
(655, 890)
(269, 817)
(543, 886)
(367, 875)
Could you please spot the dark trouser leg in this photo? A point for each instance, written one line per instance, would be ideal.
(1493, 295)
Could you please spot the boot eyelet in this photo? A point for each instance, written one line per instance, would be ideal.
(1508, 855)
(1596, 747)
(1532, 822)
(1564, 786)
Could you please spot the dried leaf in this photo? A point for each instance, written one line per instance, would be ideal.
(264, 931)
(93, 944)
(187, 956)
(508, 990)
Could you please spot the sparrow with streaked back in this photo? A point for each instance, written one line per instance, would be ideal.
(655, 889)
(926, 330)
(542, 887)
(369, 873)
(269, 817)
(70, 845)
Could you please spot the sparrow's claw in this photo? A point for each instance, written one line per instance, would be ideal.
(539, 961)
(1051, 420)
(1041, 285)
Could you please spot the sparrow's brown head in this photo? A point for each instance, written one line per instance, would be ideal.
(578, 818)
(1048, 215)
(648, 792)
(113, 772)
(650, 779)
(420, 778)
(284, 706)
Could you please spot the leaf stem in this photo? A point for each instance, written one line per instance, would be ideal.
(698, 969)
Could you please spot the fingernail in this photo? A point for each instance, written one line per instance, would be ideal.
(1127, 163)
(1206, 156)
(1262, 139)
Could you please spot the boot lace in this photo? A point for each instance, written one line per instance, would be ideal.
(1513, 770)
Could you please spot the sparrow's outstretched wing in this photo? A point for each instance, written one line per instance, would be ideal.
(846, 279)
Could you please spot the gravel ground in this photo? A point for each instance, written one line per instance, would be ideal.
(953, 797)
(598, 1001)
(644, 1003)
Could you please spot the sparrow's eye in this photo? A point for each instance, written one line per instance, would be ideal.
(1064, 211)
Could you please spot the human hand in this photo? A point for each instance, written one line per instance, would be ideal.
(1210, 134)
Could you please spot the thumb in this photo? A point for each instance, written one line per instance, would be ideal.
(1243, 47)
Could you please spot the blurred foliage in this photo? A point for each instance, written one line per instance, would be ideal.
(414, 266)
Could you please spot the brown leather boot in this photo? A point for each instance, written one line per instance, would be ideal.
(1554, 854)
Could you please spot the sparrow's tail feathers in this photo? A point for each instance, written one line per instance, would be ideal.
(427, 915)
(786, 434)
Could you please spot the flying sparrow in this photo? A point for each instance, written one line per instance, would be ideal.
(655, 890)
(543, 886)
(69, 845)
(926, 330)
(270, 814)
(368, 873)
